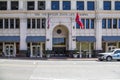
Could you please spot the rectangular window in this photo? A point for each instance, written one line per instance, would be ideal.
(87, 23)
(92, 23)
(1, 23)
(11, 23)
(14, 5)
(107, 5)
(77, 26)
(90, 5)
(33, 24)
(3, 5)
(6, 23)
(30, 5)
(55, 5)
(80, 5)
(114, 23)
(17, 23)
(103, 23)
(38, 23)
(83, 21)
(109, 23)
(41, 5)
(43, 23)
(117, 5)
(66, 5)
(28, 23)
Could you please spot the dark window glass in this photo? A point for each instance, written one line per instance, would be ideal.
(28, 23)
(92, 23)
(119, 23)
(11, 23)
(14, 5)
(33, 23)
(38, 23)
(109, 23)
(6, 23)
(17, 23)
(30, 5)
(90, 5)
(55, 5)
(114, 23)
(87, 23)
(107, 5)
(43, 23)
(103, 23)
(1, 23)
(41, 5)
(77, 26)
(3, 5)
(66, 5)
(117, 5)
(83, 21)
(80, 5)
(59, 41)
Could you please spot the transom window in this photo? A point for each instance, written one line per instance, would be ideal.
(55, 5)
(41, 5)
(107, 5)
(66, 5)
(30, 5)
(14, 5)
(3, 5)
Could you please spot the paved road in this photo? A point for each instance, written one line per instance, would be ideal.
(58, 70)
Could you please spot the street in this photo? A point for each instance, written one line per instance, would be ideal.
(58, 70)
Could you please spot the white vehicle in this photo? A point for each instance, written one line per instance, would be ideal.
(108, 56)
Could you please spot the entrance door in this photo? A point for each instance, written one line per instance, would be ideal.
(36, 51)
(9, 50)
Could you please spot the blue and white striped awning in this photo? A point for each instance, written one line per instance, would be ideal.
(85, 38)
(9, 38)
(35, 39)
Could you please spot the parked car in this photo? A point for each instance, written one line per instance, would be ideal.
(108, 56)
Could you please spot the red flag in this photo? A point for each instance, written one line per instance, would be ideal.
(78, 21)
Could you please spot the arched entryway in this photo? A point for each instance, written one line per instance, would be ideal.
(60, 41)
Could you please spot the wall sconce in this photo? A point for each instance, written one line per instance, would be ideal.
(48, 39)
(73, 27)
(74, 39)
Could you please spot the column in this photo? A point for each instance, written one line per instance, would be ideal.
(20, 4)
(61, 5)
(4, 48)
(31, 50)
(8, 5)
(73, 4)
(23, 33)
(14, 49)
(48, 5)
(98, 32)
(36, 5)
(41, 49)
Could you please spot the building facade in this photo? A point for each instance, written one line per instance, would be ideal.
(34, 26)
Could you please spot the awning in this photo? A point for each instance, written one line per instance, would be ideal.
(85, 38)
(111, 38)
(9, 39)
(35, 39)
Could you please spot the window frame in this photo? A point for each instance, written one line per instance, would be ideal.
(107, 5)
(30, 5)
(57, 5)
(80, 5)
(90, 5)
(13, 6)
(66, 5)
(41, 5)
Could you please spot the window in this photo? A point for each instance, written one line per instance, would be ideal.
(109, 23)
(43, 23)
(59, 41)
(3, 5)
(103, 23)
(33, 23)
(11, 23)
(1, 23)
(41, 5)
(66, 5)
(114, 23)
(87, 23)
(77, 26)
(14, 5)
(55, 5)
(17, 23)
(107, 5)
(92, 23)
(30, 5)
(38, 23)
(90, 5)
(80, 5)
(83, 21)
(117, 5)
(6, 23)
(28, 23)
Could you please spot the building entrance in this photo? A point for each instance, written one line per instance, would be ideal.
(36, 51)
(9, 50)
